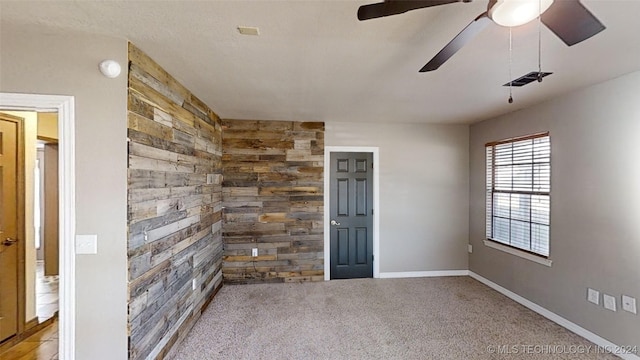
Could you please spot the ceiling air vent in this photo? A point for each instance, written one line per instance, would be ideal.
(248, 30)
(524, 80)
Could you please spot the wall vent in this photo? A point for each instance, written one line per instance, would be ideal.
(525, 79)
(248, 30)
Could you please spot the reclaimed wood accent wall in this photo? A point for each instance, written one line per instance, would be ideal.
(174, 208)
(273, 201)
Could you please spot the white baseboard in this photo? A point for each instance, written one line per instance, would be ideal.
(553, 317)
(412, 274)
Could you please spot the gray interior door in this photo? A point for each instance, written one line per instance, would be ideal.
(351, 204)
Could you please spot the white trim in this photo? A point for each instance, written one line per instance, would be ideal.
(64, 105)
(519, 253)
(598, 340)
(414, 274)
(376, 204)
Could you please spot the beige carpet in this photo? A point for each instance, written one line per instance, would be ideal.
(419, 318)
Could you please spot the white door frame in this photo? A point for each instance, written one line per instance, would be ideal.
(64, 105)
(376, 204)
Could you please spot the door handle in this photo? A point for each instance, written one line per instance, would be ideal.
(9, 242)
(335, 223)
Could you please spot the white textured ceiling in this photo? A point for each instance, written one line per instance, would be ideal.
(315, 61)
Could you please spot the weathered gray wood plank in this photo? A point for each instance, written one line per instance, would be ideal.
(273, 198)
(174, 207)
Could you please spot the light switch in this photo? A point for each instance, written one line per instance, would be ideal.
(593, 296)
(609, 302)
(86, 244)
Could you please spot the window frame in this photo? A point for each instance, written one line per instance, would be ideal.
(490, 191)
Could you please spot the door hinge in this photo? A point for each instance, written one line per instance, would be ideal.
(373, 257)
(371, 211)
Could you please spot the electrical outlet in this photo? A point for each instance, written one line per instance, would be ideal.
(194, 284)
(254, 252)
(470, 248)
(593, 296)
(629, 304)
(609, 302)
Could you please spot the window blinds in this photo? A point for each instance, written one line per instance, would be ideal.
(518, 192)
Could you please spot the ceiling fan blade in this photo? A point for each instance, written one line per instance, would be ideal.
(571, 21)
(394, 7)
(466, 35)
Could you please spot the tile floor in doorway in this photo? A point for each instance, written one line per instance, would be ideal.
(46, 293)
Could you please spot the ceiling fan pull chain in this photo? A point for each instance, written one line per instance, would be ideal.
(510, 63)
(539, 41)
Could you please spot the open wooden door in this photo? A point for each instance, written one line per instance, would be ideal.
(10, 223)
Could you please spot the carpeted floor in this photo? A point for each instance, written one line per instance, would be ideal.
(418, 318)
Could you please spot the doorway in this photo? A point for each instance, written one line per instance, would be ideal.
(27, 139)
(46, 205)
(351, 210)
(351, 220)
(64, 106)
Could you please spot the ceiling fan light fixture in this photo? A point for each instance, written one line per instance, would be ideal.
(512, 13)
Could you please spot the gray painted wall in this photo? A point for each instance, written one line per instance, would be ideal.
(595, 202)
(423, 191)
(31, 62)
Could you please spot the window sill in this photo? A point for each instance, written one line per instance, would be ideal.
(516, 252)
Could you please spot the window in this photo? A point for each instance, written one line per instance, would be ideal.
(518, 192)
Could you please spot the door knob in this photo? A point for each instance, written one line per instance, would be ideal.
(9, 241)
(333, 222)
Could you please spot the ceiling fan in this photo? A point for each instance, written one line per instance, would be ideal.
(568, 19)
